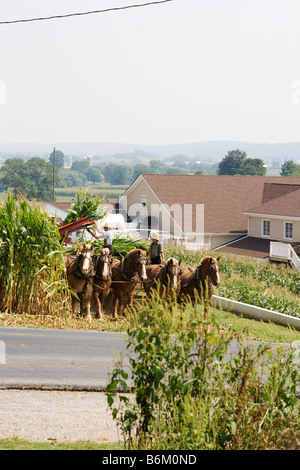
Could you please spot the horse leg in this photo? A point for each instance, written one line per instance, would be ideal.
(87, 298)
(74, 305)
(82, 304)
(116, 301)
(96, 298)
(120, 303)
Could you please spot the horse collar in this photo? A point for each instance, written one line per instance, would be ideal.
(198, 276)
(198, 273)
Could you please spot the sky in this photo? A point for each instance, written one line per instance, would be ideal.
(179, 72)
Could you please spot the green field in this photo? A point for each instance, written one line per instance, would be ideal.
(109, 192)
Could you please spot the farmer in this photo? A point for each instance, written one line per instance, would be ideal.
(156, 254)
(107, 236)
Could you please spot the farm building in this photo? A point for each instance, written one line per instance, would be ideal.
(209, 211)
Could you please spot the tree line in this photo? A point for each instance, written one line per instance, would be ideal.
(34, 178)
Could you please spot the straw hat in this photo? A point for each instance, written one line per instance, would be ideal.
(107, 225)
(154, 236)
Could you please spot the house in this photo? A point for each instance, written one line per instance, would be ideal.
(201, 211)
(278, 215)
(276, 218)
(56, 209)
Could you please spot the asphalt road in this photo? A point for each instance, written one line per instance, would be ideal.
(57, 359)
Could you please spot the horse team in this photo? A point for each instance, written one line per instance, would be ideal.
(98, 276)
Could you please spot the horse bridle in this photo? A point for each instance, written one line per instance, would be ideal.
(78, 272)
(98, 274)
(166, 274)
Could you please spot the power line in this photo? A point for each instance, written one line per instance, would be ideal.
(85, 12)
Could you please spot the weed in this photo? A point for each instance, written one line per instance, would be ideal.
(193, 390)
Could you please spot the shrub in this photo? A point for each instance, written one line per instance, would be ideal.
(194, 386)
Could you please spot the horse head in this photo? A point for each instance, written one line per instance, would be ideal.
(141, 265)
(85, 259)
(103, 264)
(210, 269)
(136, 261)
(173, 272)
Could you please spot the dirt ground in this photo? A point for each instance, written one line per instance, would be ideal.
(43, 416)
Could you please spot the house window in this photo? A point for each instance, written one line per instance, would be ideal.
(265, 228)
(143, 200)
(288, 230)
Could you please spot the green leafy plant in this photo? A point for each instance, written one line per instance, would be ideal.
(32, 276)
(123, 243)
(85, 205)
(194, 386)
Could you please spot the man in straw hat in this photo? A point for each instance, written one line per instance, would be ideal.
(107, 236)
(156, 254)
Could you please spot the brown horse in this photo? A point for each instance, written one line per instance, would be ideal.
(125, 276)
(80, 273)
(165, 279)
(102, 279)
(197, 283)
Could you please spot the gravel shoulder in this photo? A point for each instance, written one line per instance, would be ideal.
(41, 416)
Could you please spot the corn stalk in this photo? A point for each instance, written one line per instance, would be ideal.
(32, 272)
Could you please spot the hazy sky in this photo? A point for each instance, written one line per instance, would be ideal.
(184, 71)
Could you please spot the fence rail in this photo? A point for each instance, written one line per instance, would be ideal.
(284, 252)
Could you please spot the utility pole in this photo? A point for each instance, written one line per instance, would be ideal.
(53, 196)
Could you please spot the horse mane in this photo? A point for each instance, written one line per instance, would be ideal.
(86, 247)
(135, 251)
(170, 261)
(205, 259)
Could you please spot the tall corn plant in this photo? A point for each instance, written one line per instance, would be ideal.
(32, 276)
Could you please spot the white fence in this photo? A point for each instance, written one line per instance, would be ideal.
(284, 252)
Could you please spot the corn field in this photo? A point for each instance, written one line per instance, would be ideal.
(32, 271)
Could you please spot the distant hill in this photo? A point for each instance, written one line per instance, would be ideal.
(214, 150)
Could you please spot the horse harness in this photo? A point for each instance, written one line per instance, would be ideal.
(164, 269)
(197, 276)
(98, 273)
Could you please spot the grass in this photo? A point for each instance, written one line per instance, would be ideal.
(110, 193)
(19, 444)
(257, 330)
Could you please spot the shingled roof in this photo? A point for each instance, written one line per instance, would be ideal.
(247, 246)
(225, 198)
(279, 199)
